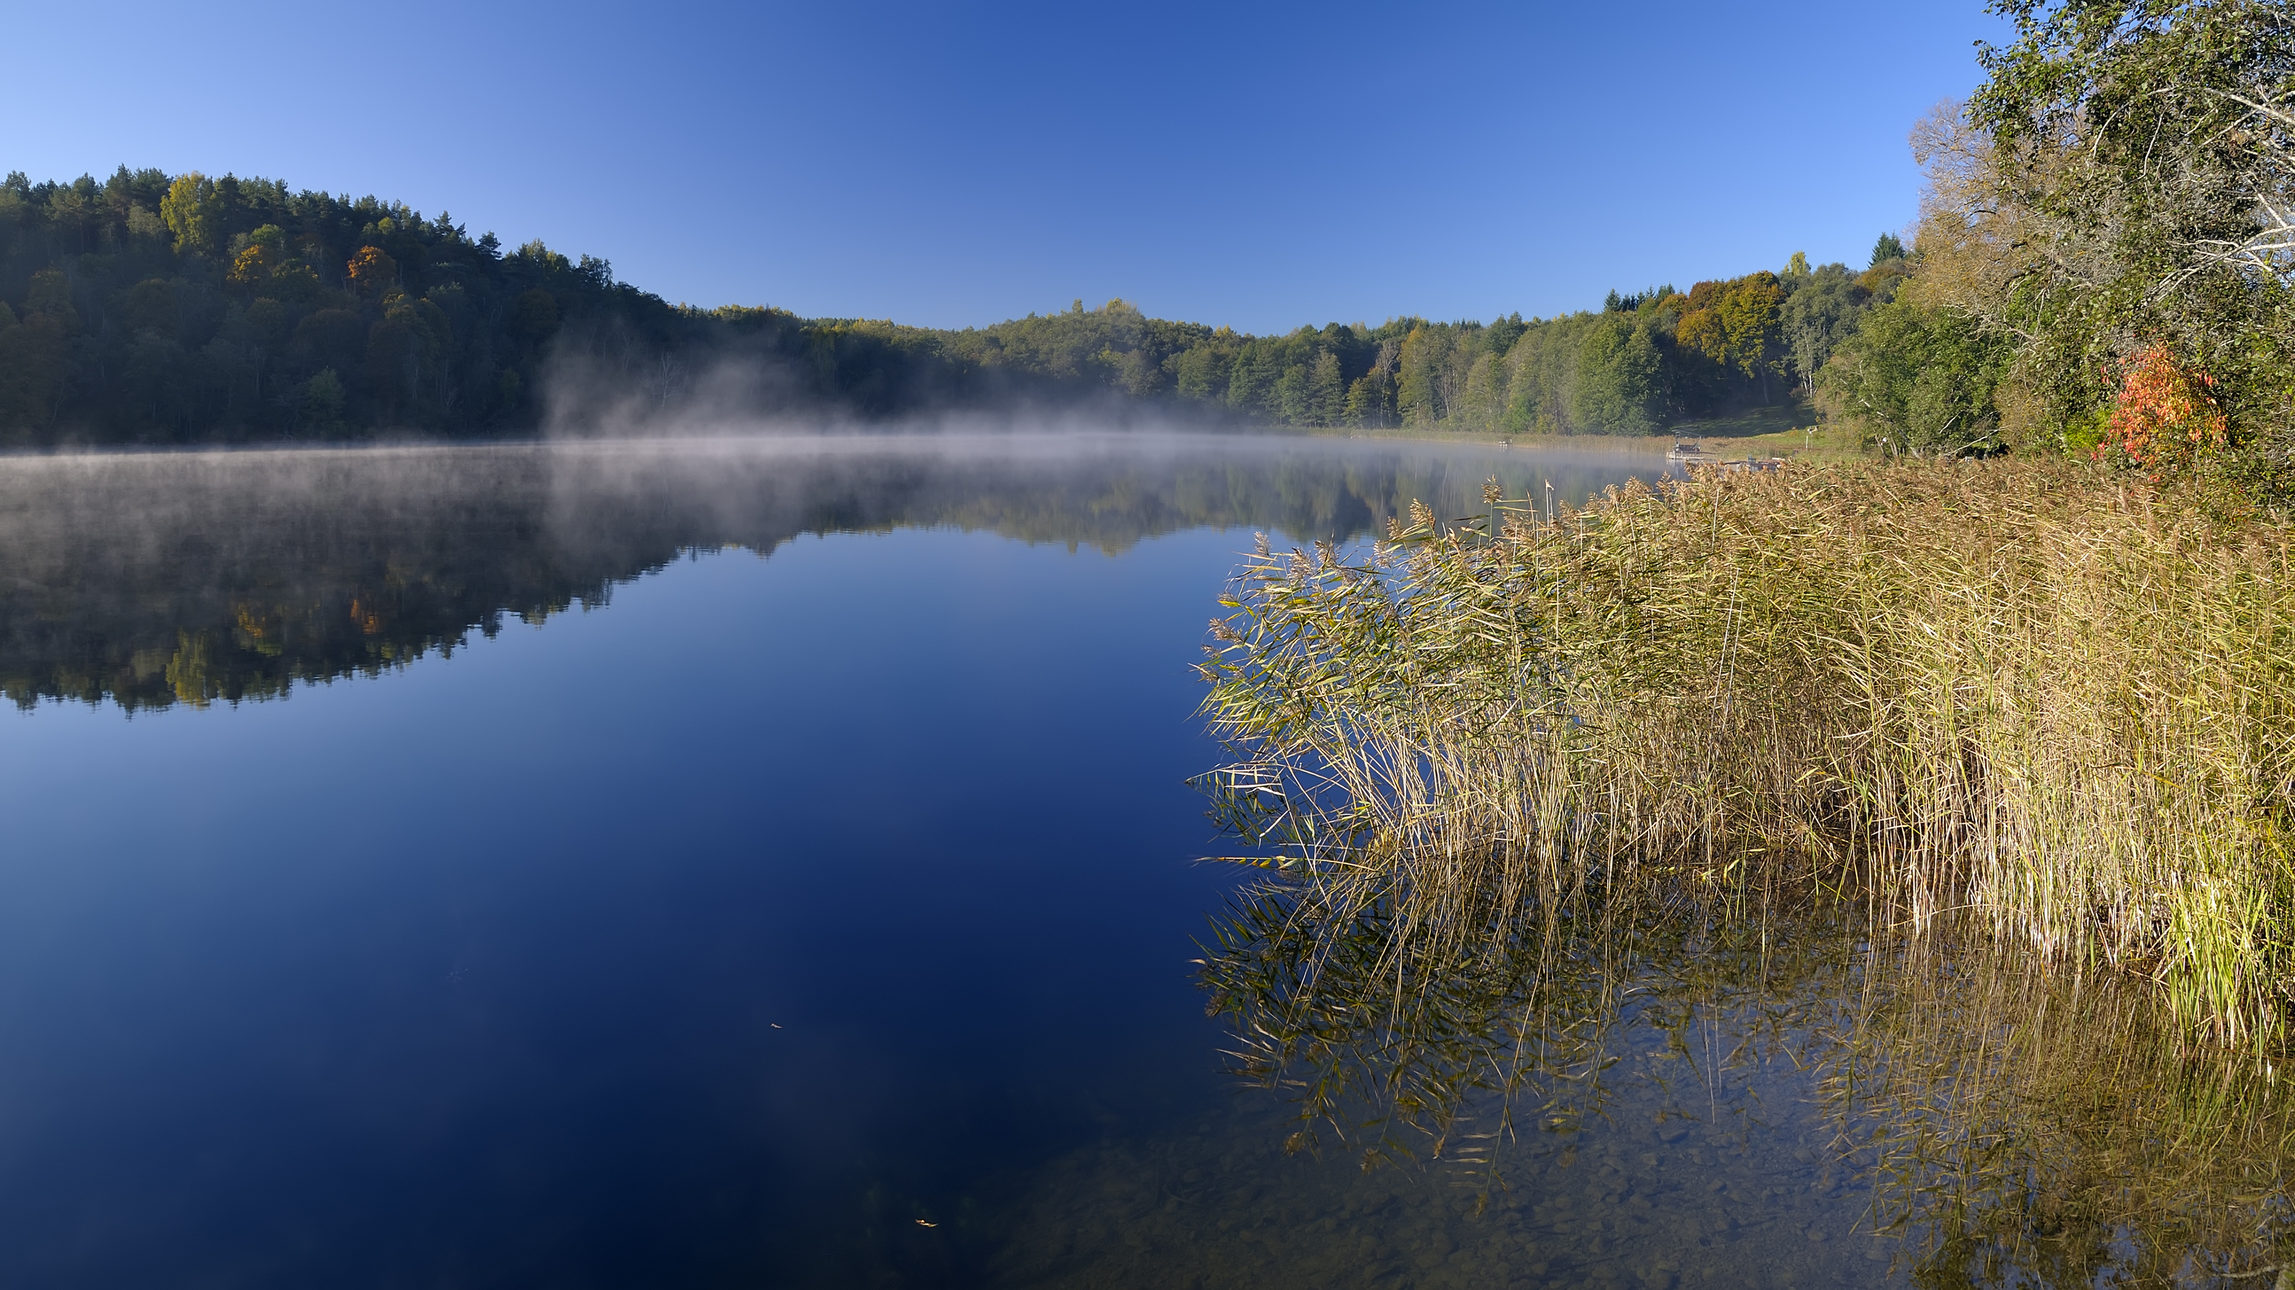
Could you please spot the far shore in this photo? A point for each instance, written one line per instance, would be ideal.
(1813, 444)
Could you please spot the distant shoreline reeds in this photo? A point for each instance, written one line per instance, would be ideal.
(2032, 695)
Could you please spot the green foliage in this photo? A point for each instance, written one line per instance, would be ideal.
(1820, 315)
(2133, 196)
(157, 308)
(150, 308)
(322, 404)
(1621, 383)
(1917, 380)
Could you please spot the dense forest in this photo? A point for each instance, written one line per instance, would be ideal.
(151, 308)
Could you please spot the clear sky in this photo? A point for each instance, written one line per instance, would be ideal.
(944, 164)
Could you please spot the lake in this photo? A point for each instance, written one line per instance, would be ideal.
(774, 862)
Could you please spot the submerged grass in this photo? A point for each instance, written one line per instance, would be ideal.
(2032, 1128)
(2008, 1124)
(2032, 695)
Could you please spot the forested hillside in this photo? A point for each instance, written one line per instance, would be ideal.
(149, 308)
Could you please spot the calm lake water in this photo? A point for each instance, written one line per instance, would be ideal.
(775, 864)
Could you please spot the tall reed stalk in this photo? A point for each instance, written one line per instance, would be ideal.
(2029, 693)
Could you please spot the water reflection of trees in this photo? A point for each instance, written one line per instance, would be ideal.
(2014, 1128)
(158, 579)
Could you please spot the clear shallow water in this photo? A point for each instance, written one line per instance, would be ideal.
(604, 904)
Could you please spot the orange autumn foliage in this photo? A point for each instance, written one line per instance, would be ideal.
(2165, 415)
(371, 268)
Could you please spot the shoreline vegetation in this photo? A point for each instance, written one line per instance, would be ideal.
(2034, 695)
(2029, 671)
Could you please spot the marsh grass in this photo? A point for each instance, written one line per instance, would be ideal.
(2032, 696)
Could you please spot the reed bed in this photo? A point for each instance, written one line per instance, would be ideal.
(2032, 695)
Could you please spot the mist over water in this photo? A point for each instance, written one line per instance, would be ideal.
(192, 577)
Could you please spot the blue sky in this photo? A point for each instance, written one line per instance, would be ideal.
(1255, 165)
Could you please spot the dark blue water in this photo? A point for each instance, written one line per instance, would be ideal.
(609, 944)
(819, 909)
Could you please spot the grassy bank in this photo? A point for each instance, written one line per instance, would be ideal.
(2027, 694)
(1790, 430)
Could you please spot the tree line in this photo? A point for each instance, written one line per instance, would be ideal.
(155, 308)
(1641, 363)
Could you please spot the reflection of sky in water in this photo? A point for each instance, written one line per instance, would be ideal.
(723, 933)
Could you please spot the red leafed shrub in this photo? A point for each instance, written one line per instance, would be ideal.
(2165, 415)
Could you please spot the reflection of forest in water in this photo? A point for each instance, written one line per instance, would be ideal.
(2010, 1127)
(156, 579)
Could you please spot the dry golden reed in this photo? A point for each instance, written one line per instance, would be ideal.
(2032, 695)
